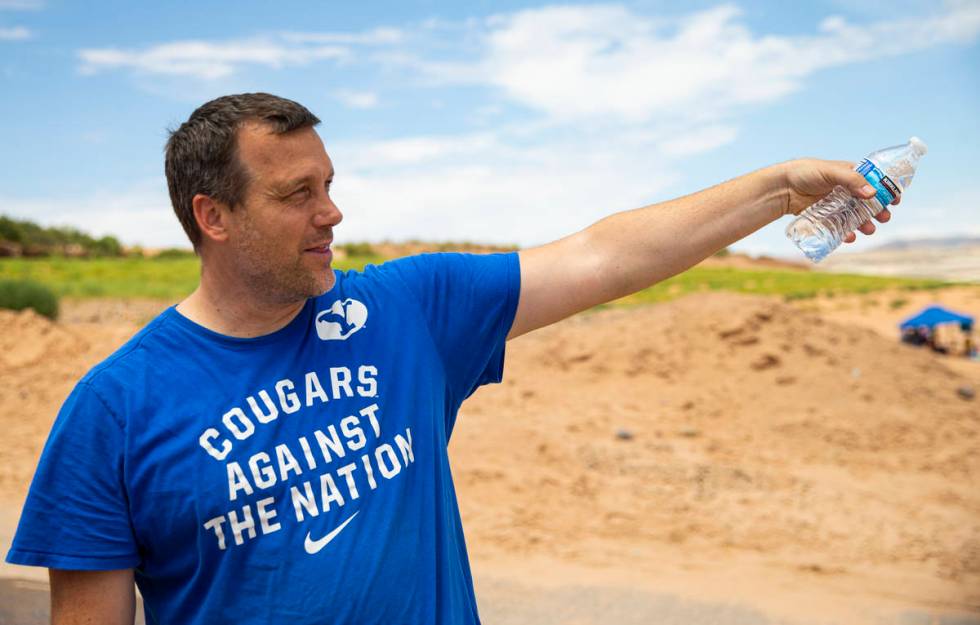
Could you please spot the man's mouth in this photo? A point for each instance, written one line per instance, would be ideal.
(320, 249)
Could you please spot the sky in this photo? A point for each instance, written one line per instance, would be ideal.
(497, 122)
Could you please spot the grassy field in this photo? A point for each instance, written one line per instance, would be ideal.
(789, 284)
(170, 278)
(174, 278)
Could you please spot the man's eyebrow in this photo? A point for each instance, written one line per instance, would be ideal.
(291, 184)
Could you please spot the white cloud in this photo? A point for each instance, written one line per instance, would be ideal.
(377, 36)
(210, 60)
(17, 33)
(591, 61)
(608, 62)
(487, 187)
(700, 140)
(425, 150)
(357, 99)
(206, 60)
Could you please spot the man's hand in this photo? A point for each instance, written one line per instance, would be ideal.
(809, 180)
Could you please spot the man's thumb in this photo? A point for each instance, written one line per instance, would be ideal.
(856, 184)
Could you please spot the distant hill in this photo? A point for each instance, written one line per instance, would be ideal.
(931, 243)
(954, 258)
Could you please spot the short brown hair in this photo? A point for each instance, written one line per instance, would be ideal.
(202, 154)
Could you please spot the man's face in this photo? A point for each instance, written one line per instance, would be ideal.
(280, 235)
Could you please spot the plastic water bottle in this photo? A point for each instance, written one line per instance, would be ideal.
(822, 226)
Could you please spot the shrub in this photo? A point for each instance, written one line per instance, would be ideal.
(359, 249)
(172, 253)
(59, 240)
(106, 246)
(21, 294)
(11, 230)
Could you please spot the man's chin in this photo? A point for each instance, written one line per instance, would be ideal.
(326, 283)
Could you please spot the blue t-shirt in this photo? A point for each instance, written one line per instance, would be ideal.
(298, 477)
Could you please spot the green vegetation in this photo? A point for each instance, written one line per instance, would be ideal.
(21, 294)
(791, 285)
(174, 275)
(22, 237)
(171, 253)
(170, 277)
(359, 249)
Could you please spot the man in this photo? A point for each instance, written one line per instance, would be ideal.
(273, 448)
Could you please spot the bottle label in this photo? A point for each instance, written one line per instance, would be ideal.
(885, 189)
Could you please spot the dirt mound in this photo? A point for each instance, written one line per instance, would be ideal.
(744, 261)
(27, 338)
(40, 361)
(721, 423)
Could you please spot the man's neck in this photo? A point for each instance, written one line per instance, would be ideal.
(235, 310)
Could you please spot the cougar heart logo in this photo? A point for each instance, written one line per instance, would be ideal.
(342, 319)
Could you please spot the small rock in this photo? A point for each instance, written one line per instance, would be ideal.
(742, 475)
(855, 373)
(966, 392)
(690, 432)
(624, 435)
(729, 332)
(766, 361)
(811, 350)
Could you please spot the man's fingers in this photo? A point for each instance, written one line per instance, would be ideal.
(858, 186)
(867, 228)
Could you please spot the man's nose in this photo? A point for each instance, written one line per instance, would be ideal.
(327, 213)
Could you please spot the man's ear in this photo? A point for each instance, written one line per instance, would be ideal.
(211, 216)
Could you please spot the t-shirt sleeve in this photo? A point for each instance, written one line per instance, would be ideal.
(77, 513)
(469, 302)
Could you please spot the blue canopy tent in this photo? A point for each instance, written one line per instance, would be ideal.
(936, 315)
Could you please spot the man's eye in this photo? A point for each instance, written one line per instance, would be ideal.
(300, 193)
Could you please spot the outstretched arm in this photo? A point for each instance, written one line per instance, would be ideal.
(631, 250)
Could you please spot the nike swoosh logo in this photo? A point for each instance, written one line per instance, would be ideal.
(314, 546)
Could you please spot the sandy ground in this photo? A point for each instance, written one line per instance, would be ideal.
(718, 459)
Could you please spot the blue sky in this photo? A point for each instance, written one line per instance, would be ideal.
(507, 122)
